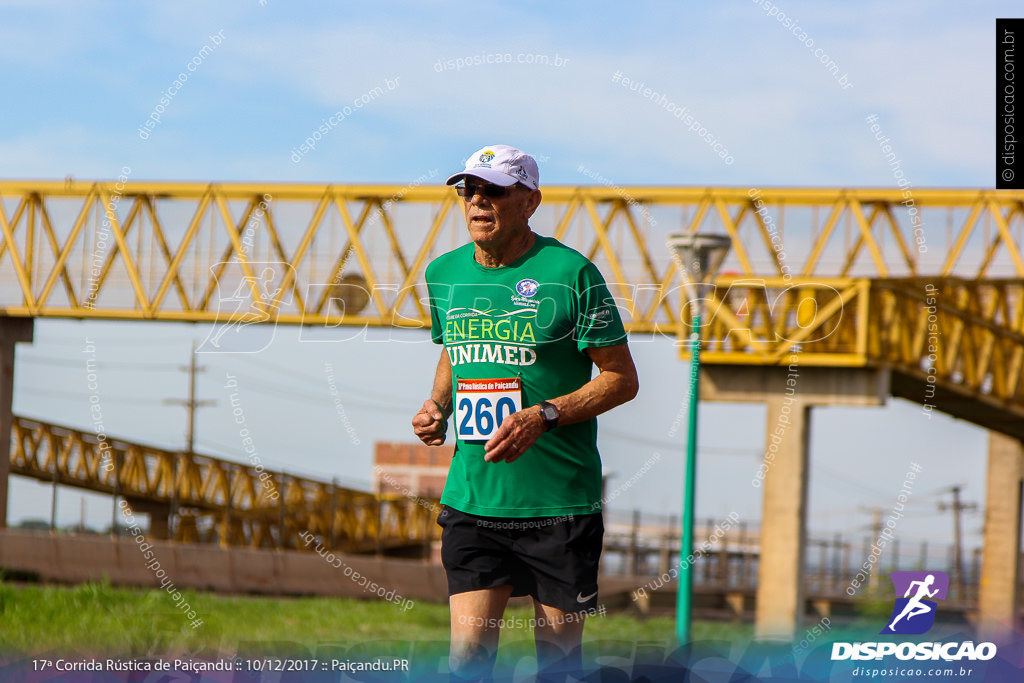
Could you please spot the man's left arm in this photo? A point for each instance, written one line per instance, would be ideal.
(615, 384)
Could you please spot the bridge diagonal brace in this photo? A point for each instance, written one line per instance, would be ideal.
(343, 256)
(364, 259)
(571, 210)
(300, 251)
(1005, 236)
(108, 262)
(649, 267)
(235, 247)
(234, 233)
(61, 255)
(821, 243)
(866, 237)
(20, 269)
(766, 234)
(161, 241)
(964, 236)
(731, 227)
(174, 267)
(908, 253)
(289, 279)
(396, 249)
(14, 220)
(122, 247)
(601, 232)
(428, 244)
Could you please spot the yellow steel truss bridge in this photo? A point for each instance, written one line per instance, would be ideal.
(851, 277)
(924, 287)
(201, 499)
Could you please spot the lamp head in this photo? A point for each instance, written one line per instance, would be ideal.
(699, 255)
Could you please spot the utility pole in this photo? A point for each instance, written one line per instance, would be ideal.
(190, 406)
(876, 530)
(191, 403)
(958, 561)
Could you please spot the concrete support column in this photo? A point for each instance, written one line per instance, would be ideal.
(1000, 561)
(780, 599)
(158, 515)
(12, 331)
(789, 391)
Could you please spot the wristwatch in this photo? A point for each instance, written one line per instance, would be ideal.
(548, 413)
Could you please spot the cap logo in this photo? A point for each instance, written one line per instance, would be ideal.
(521, 172)
(527, 287)
(487, 156)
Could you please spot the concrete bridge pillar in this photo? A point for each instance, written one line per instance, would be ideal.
(1000, 561)
(789, 391)
(158, 512)
(12, 331)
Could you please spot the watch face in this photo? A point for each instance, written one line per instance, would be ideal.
(549, 412)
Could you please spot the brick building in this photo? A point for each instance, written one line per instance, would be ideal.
(411, 469)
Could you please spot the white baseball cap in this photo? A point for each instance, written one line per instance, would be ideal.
(501, 165)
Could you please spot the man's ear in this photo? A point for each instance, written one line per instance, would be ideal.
(532, 202)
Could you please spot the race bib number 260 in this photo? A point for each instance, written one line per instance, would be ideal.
(482, 404)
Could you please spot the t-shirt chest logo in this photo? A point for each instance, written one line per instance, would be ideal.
(526, 289)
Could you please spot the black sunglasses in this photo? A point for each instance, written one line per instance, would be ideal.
(489, 190)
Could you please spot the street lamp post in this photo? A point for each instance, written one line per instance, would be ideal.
(699, 258)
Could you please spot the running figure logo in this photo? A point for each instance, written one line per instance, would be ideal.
(242, 302)
(914, 613)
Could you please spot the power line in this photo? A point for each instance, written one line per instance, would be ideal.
(115, 341)
(290, 373)
(277, 466)
(671, 446)
(120, 365)
(320, 383)
(83, 397)
(274, 389)
(847, 480)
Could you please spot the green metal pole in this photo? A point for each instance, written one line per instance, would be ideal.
(684, 595)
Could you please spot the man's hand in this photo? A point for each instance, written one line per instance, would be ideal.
(517, 432)
(429, 424)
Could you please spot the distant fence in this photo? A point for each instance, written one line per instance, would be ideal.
(647, 545)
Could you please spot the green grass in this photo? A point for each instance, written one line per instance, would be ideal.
(101, 621)
(98, 619)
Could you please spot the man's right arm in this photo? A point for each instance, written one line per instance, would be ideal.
(430, 424)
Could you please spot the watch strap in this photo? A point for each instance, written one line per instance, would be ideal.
(549, 422)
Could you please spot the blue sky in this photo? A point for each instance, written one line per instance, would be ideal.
(80, 79)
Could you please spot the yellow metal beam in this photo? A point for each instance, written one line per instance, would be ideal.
(207, 245)
(51, 237)
(229, 499)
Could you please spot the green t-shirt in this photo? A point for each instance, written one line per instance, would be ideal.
(531, 319)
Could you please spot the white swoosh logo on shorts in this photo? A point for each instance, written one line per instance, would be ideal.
(580, 598)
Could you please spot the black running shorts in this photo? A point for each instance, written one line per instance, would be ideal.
(553, 559)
